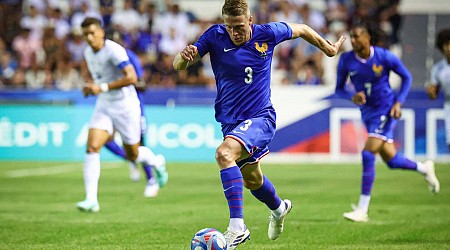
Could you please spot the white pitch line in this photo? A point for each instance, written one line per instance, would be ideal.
(59, 169)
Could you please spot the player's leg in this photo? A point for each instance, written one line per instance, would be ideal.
(395, 160)
(112, 146)
(96, 139)
(371, 148)
(129, 127)
(233, 184)
(261, 187)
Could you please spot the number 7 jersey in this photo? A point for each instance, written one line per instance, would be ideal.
(371, 75)
(242, 73)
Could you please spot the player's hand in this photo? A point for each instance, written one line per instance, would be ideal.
(396, 110)
(432, 91)
(189, 53)
(91, 89)
(359, 98)
(86, 89)
(336, 46)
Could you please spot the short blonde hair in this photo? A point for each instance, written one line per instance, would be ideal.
(235, 8)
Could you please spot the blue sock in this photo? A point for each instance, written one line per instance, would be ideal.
(148, 171)
(116, 149)
(267, 194)
(233, 185)
(400, 162)
(368, 176)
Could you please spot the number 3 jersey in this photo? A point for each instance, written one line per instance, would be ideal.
(242, 72)
(371, 75)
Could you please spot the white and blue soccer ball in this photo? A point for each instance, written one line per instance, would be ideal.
(208, 239)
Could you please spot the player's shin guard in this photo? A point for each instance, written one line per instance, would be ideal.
(368, 175)
(233, 186)
(267, 194)
(91, 175)
(400, 162)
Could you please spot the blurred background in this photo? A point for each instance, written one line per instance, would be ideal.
(43, 114)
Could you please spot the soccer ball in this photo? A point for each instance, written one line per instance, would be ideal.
(208, 239)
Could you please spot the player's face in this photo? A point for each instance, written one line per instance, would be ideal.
(239, 28)
(360, 39)
(94, 36)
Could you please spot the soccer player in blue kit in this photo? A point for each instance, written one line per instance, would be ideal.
(241, 55)
(368, 68)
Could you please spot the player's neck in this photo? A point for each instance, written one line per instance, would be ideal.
(364, 53)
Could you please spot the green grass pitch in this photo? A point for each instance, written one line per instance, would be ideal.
(37, 208)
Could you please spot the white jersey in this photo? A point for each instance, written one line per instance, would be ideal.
(105, 66)
(440, 74)
(118, 108)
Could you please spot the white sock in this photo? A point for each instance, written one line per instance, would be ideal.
(364, 201)
(421, 168)
(237, 224)
(146, 156)
(91, 175)
(280, 210)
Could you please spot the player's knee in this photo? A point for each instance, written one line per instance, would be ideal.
(91, 148)
(223, 155)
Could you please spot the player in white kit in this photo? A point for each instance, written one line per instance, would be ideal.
(440, 77)
(117, 107)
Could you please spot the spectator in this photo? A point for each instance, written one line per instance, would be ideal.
(35, 20)
(53, 47)
(162, 73)
(25, 47)
(126, 20)
(59, 21)
(85, 10)
(8, 68)
(65, 76)
(308, 75)
(37, 77)
(75, 45)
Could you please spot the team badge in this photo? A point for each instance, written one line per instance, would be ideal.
(262, 48)
(377, 69)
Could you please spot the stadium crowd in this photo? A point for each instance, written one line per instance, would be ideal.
(41, 42)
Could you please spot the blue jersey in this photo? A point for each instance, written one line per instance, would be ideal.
(134, 59)
(242, 73)
(136, 62)
(371, 75)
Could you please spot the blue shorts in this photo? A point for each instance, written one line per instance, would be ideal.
(380, 125)
(254, 134)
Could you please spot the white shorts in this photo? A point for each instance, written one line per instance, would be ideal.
(447, 121)
(125, 119)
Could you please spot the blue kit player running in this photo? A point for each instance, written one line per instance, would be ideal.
(368, 68)
(241, 56)
(153, 185)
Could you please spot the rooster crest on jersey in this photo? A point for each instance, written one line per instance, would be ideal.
(208, 239)
(262, 48)
(377, 69)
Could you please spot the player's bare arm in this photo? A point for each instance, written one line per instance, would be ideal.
(186, 58)
(311, 36)
(129, 77)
